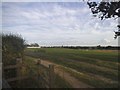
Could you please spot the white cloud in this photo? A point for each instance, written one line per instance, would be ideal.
(52, 23)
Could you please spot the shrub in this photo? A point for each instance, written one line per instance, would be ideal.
(12, 48)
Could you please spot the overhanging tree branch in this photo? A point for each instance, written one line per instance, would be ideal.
(106, 10)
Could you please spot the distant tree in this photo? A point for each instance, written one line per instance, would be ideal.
(99, 46)
(106, 10)
(27, 45)
(34, 45)
(109, 47)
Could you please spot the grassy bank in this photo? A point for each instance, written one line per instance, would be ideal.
(31, 69)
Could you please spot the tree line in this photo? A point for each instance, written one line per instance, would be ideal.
(32, 45)
(99, 47)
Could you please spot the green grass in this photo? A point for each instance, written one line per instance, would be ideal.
(61, 83)
(103, 63)
(92, 80)
(32, 71)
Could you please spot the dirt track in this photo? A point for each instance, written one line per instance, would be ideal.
(75, 83)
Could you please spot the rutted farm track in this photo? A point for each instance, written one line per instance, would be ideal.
(75, 83)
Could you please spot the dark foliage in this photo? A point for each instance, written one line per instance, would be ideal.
(32, 45)
(87, 47)
(12, 48)
(106, 10)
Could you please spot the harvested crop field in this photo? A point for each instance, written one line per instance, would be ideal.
(97, 68)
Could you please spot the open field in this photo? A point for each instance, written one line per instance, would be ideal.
(98, 68)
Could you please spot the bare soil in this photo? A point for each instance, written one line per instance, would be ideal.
(75, 83)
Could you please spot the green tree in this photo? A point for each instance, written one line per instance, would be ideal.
(106, 10)
(12, 48)
(34, 45)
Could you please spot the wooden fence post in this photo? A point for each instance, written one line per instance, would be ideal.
(18, 63)
(3, 73)
(38, 63)
(51, 76)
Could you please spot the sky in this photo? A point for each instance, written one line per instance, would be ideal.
(57, 23)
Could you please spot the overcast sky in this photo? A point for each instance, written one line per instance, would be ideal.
(55, 23)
